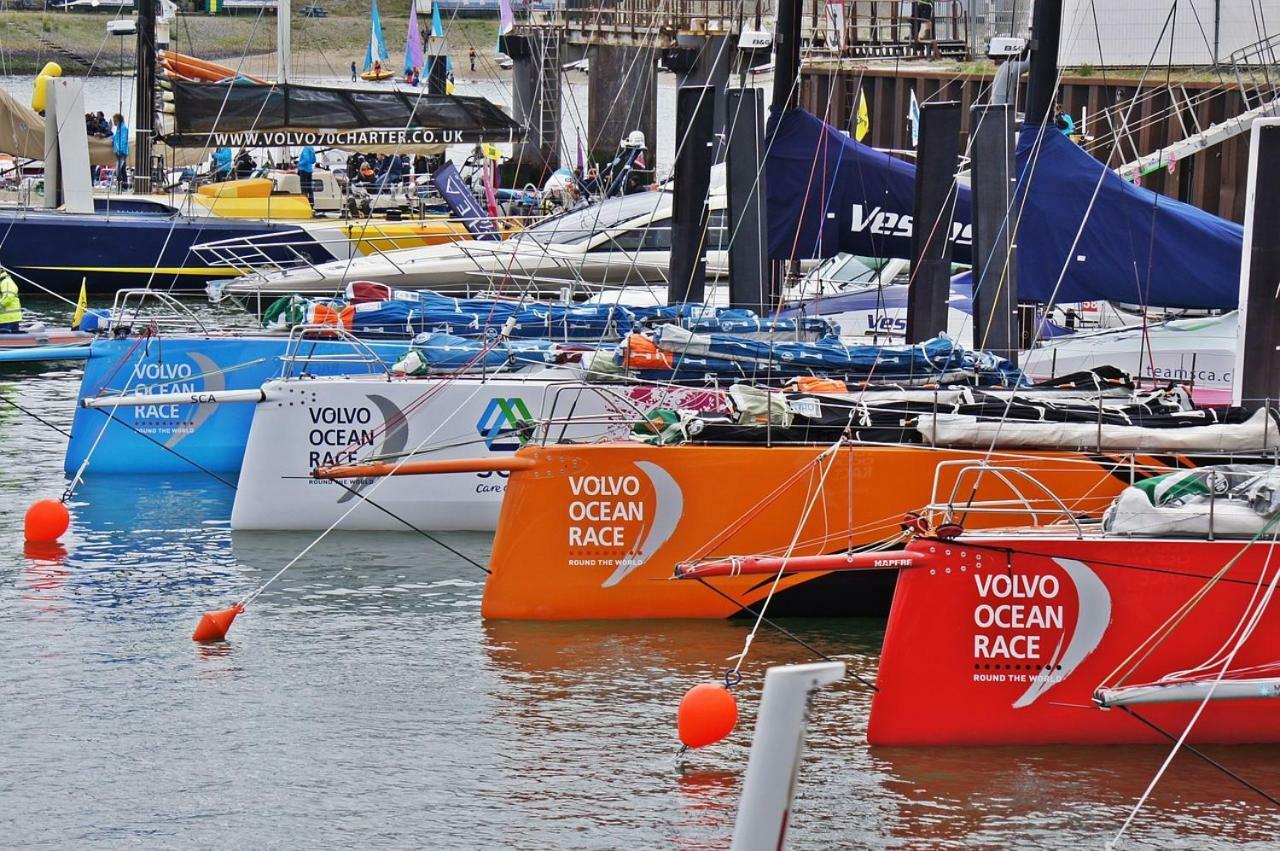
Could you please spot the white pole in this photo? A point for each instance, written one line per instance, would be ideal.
(191, 397)
(283, 25)
(775, 754)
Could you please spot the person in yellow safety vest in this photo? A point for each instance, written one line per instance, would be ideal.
(10, 305)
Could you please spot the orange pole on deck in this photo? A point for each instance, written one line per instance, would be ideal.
(425, 468)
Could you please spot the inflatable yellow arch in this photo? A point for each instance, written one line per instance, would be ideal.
(50, 69)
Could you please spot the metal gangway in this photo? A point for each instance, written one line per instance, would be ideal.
(1255, 71)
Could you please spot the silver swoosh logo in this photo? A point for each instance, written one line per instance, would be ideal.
(667, 510)
(214, 380)
(396, 438)
(1091, 624)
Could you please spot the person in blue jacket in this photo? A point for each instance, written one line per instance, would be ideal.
(120, 147)
(221, 164)
(1063, 121)
(306, 166)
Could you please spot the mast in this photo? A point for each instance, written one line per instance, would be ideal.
(1042, 81)
(284, 27)
(144, 122)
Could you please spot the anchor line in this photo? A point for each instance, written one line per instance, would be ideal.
(423, 533)
(34, 416)
(1202, 755)
(111, 415)
(746, 607)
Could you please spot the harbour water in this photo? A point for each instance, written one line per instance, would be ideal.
(362, 701)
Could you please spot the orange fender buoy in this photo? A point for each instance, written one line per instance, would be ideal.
(46, 520)
(213, 626)
(708, 713)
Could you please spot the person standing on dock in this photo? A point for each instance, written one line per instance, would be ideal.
(353, 72)
(1063, 121)
(307, 165)
(471, 54)
(10, 304)
(120, 147)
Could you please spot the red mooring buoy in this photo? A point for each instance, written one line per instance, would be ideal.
(46, 521)
(708, 713)
(213, 626)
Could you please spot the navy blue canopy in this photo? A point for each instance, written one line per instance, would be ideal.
(1137, 246)
(827, 193)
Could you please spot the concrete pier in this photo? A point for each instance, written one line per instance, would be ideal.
(622, 96)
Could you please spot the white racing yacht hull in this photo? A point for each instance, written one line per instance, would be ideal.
(309, 423)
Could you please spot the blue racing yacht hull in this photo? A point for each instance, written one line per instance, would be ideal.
(172, 438)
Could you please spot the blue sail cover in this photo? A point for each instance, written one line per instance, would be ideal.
(827, 193)
(1137, 246)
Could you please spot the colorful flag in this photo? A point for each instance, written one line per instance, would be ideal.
(462, 203)
(506, 18)
(490, 196)
(491, 152)
(864, 118)
(913, 117)
(82, 303)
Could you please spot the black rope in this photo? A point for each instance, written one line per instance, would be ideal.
(34, 416)
(1204, 756)
(400, 519)
(782, 629)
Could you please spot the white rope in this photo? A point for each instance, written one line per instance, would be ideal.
(804, 519)
(1222, 672)
(361, 498)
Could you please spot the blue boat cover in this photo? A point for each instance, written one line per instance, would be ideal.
(1137, 246)
(447, 353)
(745, 357)
(856, 199)
(410, 312)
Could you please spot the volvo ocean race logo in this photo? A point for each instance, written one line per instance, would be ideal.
(178, 421)
(345, 434)
(502, 422)
(621, 521)
(1024, 622)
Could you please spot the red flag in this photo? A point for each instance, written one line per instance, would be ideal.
(490, 198)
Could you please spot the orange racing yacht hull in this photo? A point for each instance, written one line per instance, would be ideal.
(595, 531)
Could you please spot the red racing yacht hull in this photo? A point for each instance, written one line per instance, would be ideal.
(994, 641)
